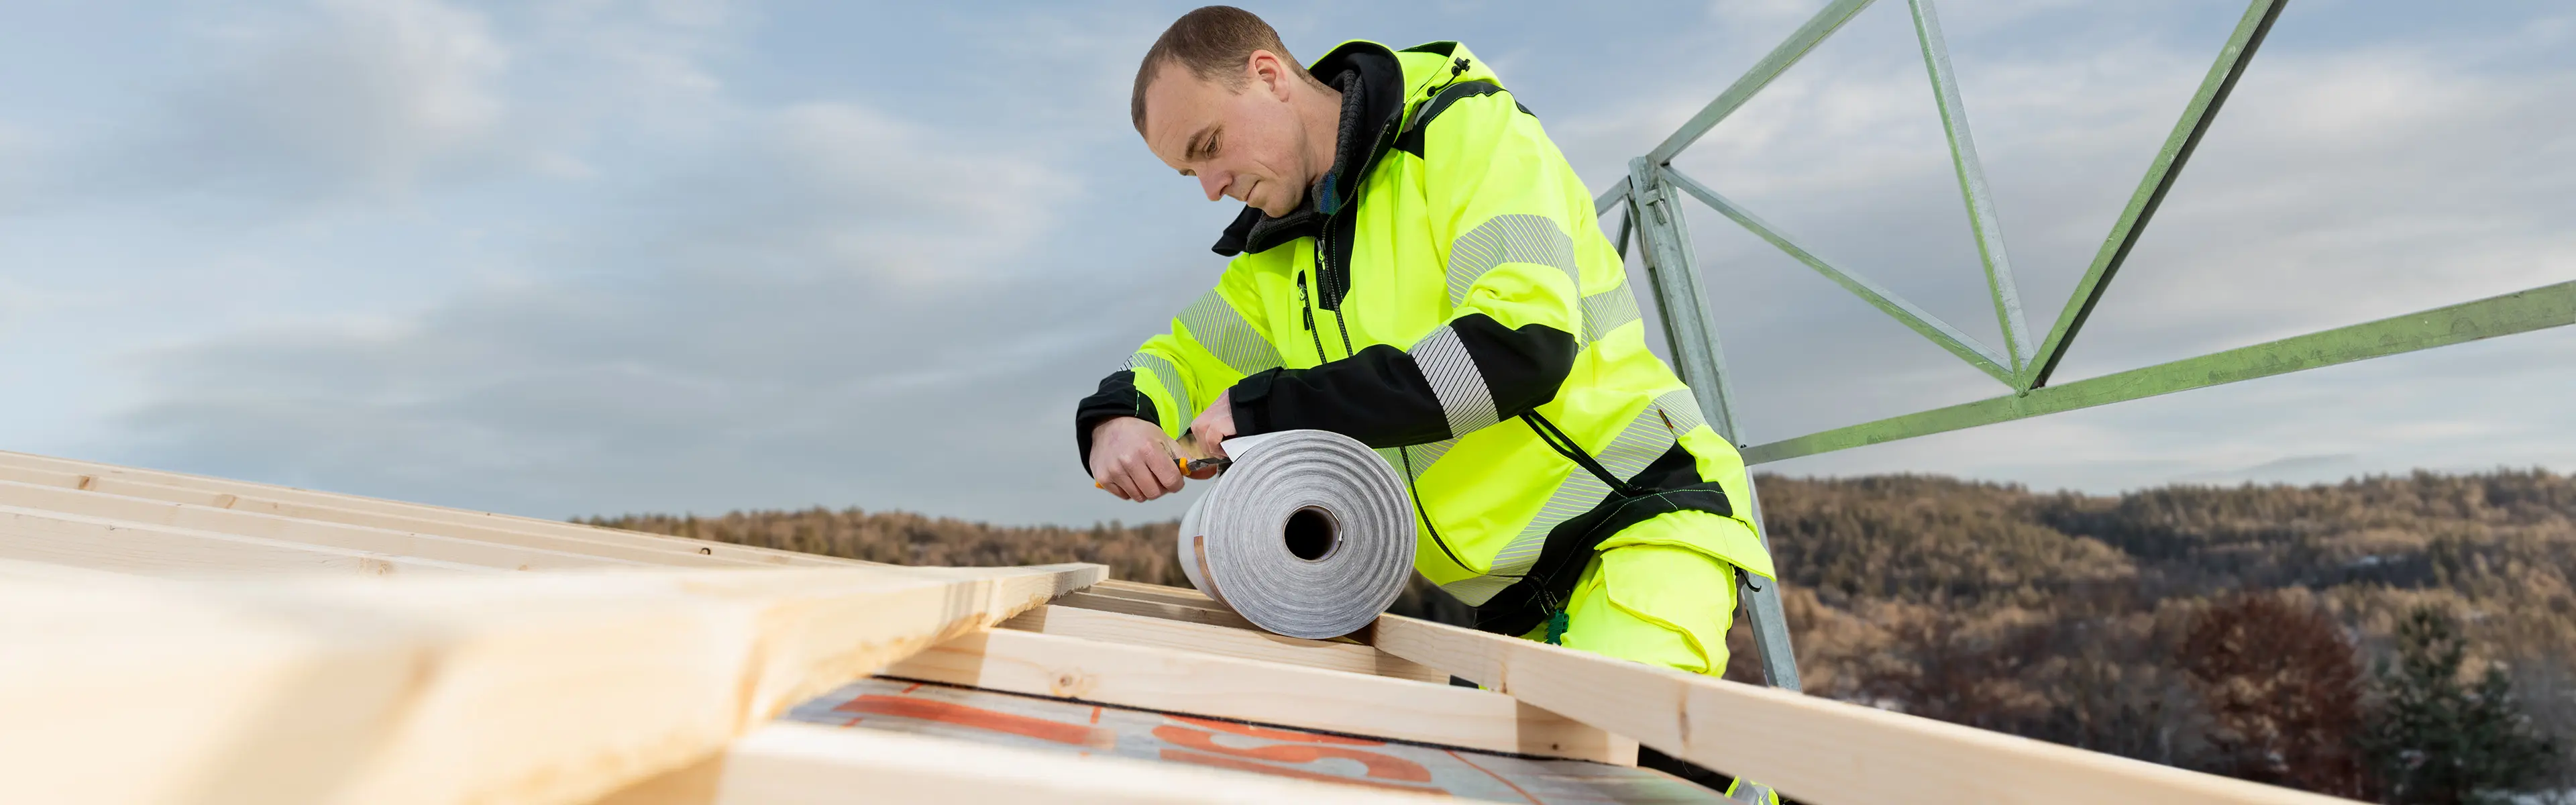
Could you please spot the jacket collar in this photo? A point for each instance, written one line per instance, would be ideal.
(1373, 92)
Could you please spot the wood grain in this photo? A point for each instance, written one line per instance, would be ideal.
(1248, 690)
(497, 688)
(1134, 630)
(372, 512)
(1156, 609)
(1817, 750)
(144, 512)
(35, 535)
(807, 764)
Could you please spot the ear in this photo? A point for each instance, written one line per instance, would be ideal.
(1269, 73)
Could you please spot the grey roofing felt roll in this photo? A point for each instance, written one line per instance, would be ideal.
(1308, 534)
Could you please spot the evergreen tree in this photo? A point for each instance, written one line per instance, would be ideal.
(2437, 740)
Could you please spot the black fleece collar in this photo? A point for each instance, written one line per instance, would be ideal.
(1372, 85)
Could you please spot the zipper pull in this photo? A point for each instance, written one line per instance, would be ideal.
(1305, 305)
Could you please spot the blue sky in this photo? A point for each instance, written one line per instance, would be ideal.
(565, 258)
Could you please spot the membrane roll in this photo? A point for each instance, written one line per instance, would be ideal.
(1309, 534)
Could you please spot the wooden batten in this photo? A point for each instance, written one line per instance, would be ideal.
(35, 535)
(503, 687)
(1134, 630)
(373, 512)
(1814, 749)
(1157, 610)
(1226, 687)
(806, 764)
(142, 512)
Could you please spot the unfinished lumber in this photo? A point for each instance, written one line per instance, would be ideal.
(670, 552)
(502, 556)
(1249, 690)
(21, 570)
(497, 523)
(1140, 591)
(1155, 609)
(128, 547)
(807, 764)
(1134, 630)
(1817, 750)
(499, 688)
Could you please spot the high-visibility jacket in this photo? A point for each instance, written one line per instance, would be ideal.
(1445, 295)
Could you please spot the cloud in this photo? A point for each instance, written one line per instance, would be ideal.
(845, 186)
(823, 312)
(343, 99)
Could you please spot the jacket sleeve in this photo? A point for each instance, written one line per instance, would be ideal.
(1213, 343)
(1497, 191)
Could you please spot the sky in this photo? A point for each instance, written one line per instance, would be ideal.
(574, 257)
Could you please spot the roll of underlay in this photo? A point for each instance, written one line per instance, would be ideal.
(1308, 534)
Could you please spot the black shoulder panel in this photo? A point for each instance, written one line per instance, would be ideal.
(1410, 141)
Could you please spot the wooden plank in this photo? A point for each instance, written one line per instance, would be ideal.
(337, 507)
(1817, 750)
(1248, 690)
(116, 545)
(1112, 627)
(139, 511)
(1140, 591)
(16, 569)
(498, 688)
(1154, 609)
(669, 552)
(807, 764)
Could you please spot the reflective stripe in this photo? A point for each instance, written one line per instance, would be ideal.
(1606, 311)
(1422, 456)
(1681, 408)
(1638, 445)
(1602, 312)
(1215, 325)
(1508, 239)
(1170, 375)
(1476, 590)
(1456, 381)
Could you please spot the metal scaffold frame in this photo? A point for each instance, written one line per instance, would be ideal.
(1648, 198)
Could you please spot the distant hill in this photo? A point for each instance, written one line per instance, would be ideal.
(2060, 616)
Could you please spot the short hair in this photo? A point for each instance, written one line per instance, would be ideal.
(1213, 42)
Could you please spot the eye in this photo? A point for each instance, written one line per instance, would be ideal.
(1208, 151)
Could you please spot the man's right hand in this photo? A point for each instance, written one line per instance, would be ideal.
(1132, 459)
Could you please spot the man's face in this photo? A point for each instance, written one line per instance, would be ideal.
(1245, 145)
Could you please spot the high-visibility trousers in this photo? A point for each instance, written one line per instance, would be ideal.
(1648, 597)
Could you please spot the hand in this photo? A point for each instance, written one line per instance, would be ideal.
(1214, 426)
(1132, 459)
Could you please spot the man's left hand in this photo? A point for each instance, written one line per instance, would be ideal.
(1214, 426)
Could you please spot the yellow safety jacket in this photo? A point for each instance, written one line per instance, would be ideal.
(1445, 295)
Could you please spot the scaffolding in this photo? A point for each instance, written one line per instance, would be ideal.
(1648, 201)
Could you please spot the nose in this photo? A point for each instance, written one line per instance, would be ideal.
(1214, 183)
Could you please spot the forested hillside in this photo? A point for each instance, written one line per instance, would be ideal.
(2233, 629)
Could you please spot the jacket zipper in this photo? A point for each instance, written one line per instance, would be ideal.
(1306, 305)
(1325, 275)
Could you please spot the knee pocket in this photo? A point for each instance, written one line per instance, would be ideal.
(1658, 604)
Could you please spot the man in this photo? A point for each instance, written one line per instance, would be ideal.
(1417, 267)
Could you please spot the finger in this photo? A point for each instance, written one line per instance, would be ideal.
(1099, 481)
(1140, 478)
(1168, 475)
(1116, 479)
